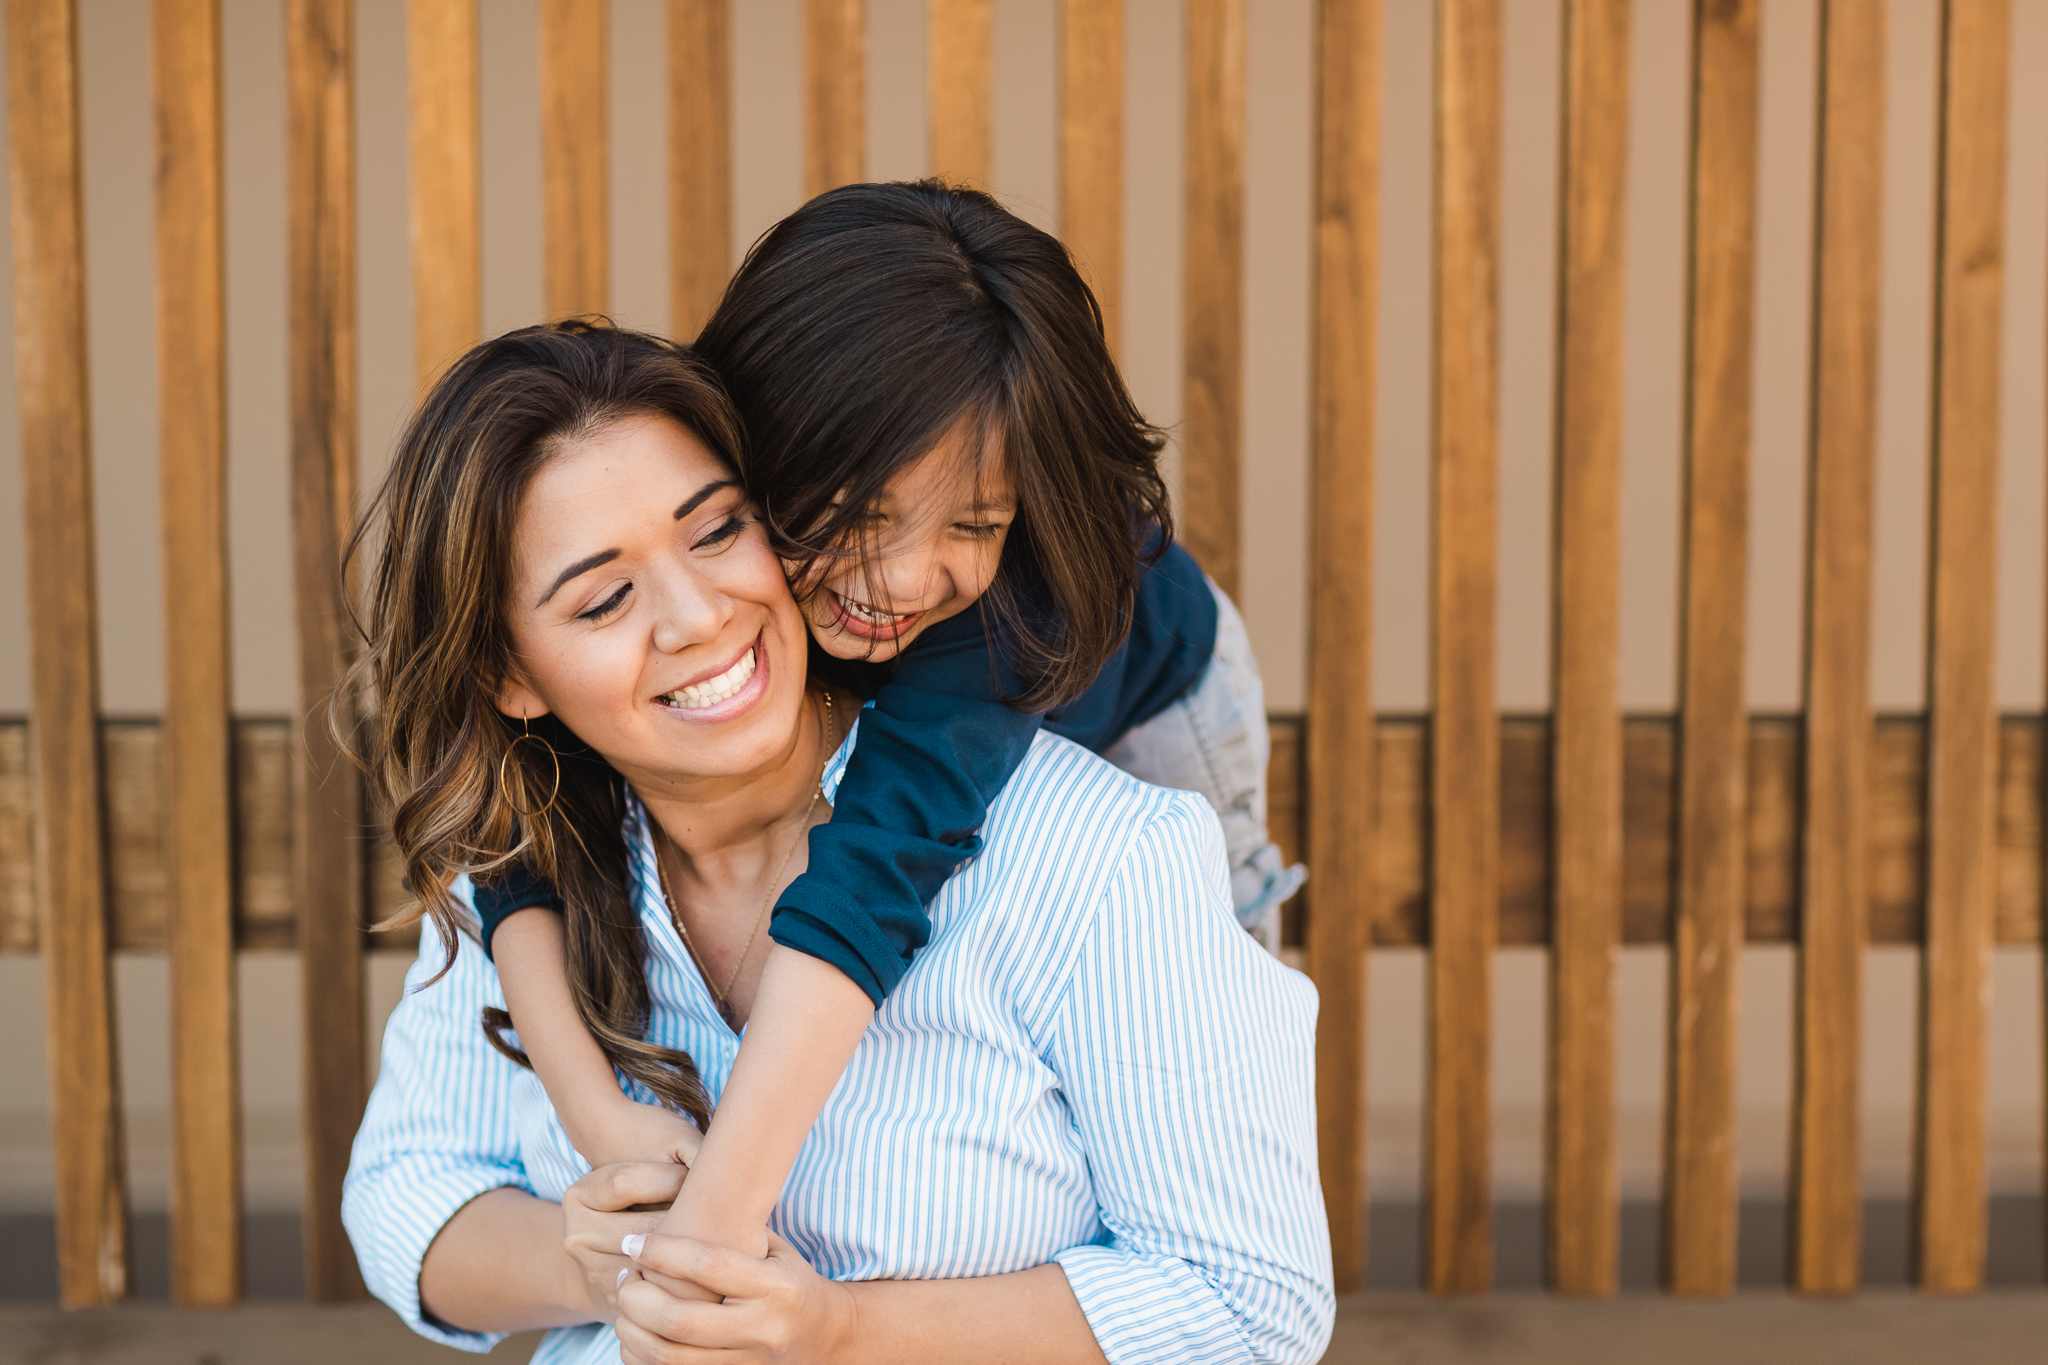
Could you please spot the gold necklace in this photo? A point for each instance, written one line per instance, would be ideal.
(721, 997)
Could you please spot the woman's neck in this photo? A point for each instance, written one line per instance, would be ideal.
(727, 827)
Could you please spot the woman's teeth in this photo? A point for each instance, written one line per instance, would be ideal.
(712, 691)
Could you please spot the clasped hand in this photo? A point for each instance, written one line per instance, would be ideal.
(776, 1308)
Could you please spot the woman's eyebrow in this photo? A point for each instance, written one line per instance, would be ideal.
(696, 499)
(580, 566)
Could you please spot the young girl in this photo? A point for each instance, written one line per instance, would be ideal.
(971, 512)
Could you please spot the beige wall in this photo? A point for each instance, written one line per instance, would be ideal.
(1276, 496)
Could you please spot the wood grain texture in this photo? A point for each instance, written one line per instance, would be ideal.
(700, 159)
(266, 916)
(1834, 896)
(1212, 425)
(1092, 151)
(56, 461)
(574, 157)
(1465, 757)
(198, 738)
(1342, 761)
(835, 94)
(1962, 731)
(1583, 1211)
(326, 793)
(960, 43)
(1699, 1160)
(447, 184)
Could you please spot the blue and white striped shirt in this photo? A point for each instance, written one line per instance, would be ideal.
(1090, 1063)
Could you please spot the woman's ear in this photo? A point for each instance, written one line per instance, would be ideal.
(516, 697)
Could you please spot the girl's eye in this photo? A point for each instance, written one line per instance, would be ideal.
(979, 530)
(608, 606)
(726, 530)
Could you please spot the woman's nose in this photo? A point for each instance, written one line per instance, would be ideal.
(689, 613)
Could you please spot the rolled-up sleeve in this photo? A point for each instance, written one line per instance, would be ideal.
(438, 1132)
(1187, 1056)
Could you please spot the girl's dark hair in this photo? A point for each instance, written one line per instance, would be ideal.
(873, 321)
(440, 755)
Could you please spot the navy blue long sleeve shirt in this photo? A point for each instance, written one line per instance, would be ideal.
(937, 745)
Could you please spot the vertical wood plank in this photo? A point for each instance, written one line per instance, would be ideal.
(1092, 150)
(1583, 1215)
(1464, 769)
(64, 756)
(1342, 736)
(1212, 428)
(327, 796)
(1699, 1159)
(198, 737)
(700, 159)
(835, 94)
(961, 43)
(1962, 722)
(574, 154)
(1834, 893)
(447, 186)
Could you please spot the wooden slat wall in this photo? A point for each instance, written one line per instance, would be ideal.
(447, 184)
(835, 93)
(198, 738)
(700, 159)
(960, 38)
(1699, 1171)
(1962, 732)
(1583, 1209)
(1212, 341)
(1092, 150)
(56, 450)
(266, 916)
(1341, 767)
(574, 155)
(1834, 896)
(326, 793)
(1464, 802)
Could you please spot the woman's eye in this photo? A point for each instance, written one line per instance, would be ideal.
(979, 530)
(725, 531)
(608, 606)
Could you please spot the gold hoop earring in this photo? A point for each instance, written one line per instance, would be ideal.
(553, 758)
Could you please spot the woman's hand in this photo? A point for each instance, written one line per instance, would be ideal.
(600, 1211)
(775, 1309)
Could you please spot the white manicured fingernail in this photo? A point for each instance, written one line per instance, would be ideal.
(633, 1243)
(622, 1279)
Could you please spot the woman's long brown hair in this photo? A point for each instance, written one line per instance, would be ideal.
(440, 756)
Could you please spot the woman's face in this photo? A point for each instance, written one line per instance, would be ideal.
(647, 612)
(934, 540)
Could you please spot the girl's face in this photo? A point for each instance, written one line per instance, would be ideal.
(648, 613)
(933, 540)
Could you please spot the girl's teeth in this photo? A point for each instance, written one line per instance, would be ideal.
(867, 613)
(712, 691)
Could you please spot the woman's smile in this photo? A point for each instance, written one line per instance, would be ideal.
(724, 694)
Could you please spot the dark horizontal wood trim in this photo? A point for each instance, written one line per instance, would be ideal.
(264, 915)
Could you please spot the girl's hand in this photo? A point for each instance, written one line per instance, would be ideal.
(628, 1131)
(599, 1211)
(775, 1310)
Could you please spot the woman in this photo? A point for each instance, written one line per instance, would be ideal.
(1081, 1128)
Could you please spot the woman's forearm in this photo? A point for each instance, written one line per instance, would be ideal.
(1030, 1317)
(806, 1021)
(500, 1266)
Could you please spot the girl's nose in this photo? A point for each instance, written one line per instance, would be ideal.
(907, 577)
